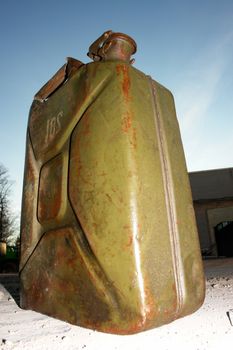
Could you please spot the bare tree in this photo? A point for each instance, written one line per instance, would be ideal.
(7, 220)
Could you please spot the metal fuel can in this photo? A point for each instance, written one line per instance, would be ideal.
(108, 233)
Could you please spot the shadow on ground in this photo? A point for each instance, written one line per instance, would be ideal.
(10, 282)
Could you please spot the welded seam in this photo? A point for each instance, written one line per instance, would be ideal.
(169, 198)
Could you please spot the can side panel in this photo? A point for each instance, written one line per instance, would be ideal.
(98, 184)
(30, 227)
(191, 268)
(117, 192)
(159, 275)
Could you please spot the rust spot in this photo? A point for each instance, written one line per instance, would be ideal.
(120, 199)
(130, 241)
(150, 305)
(133, 140)
(103, 174)
(95, 225)
(119, 69)
(109, 197)
(126, 126)
(130, 328)
(136, 327)
(174, 288)
(127, 122)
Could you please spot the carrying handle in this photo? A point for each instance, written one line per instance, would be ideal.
(96, 47)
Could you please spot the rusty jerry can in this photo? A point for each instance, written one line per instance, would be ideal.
(108, 234)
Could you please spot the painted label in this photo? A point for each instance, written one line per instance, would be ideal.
(53, 127)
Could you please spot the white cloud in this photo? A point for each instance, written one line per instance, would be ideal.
(197, 93)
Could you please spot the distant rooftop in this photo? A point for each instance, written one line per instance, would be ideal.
(212, 184)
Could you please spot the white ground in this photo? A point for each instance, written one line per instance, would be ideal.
(208, 328)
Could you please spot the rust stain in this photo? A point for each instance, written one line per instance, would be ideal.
(86, 125)
(118, 194)
(126, 122)
(95, 225)
(133, 328)
(127, 227)
(103, 174)
(150, 305)
(120, 198)
(126, 127)
(133, 140)
(126, 82)
(170, 312)
(109, 197)
(130, 241)
(118, 69)
(123, 70)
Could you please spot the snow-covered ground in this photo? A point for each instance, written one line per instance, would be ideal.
(211, 327)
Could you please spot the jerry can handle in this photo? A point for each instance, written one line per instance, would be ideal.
(96, 46)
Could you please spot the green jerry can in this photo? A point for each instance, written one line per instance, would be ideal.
(108, 233)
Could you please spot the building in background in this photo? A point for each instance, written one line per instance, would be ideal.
(212, 192)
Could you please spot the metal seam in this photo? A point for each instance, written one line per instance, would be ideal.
(169, 196)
